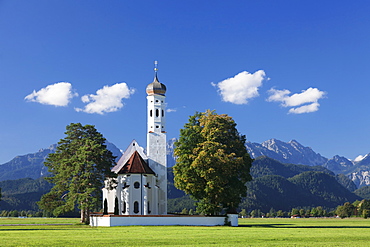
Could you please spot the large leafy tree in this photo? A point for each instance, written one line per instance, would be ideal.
(78, 169)
(213, 164)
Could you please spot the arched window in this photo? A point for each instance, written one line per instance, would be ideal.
(162, 113)
(151, 113)
(136, 185)
(149, 211)
(124, 207)
(156, 112)
(105, 208)
(136, 207)
(116, 206)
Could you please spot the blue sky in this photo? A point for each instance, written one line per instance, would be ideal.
(282, 69)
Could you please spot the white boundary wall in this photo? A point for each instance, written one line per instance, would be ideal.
(169, 220)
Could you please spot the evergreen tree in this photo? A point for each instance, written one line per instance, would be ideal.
(213, 164)
(78, 169)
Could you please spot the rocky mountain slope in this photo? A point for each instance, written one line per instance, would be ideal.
(288, 152)
(294, 153)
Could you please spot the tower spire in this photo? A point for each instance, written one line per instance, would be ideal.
(156, 87)
(155, 69)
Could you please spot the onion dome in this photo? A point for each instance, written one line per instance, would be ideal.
(156, 87)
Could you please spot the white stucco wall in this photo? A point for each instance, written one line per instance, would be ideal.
(156, 147)
(163, 221)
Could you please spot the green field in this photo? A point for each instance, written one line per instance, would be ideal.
(251, 232)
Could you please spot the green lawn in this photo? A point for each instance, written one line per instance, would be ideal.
(251, 232)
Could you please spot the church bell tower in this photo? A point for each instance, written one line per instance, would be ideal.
(156, 137)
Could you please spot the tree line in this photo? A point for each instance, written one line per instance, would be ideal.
(355, 209)
(24, 213)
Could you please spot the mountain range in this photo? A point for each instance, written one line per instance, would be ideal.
(32, 165)
(293, 152)
(285, 175)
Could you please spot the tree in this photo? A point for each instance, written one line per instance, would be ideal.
(243, 213)
(280, 213)
(272, 212)
(295, 211)
(213, 164)
(347, 210)
(78, 169)
(363, 208)
(184, 211)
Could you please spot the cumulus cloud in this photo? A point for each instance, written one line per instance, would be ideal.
(106, 99)
(58, 94)
(307, 100)
(241, 88)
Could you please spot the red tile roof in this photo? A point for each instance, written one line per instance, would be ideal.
(136, 164)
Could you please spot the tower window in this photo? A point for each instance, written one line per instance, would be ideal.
(162, 113)
(157, 126)
(151, 113)
(156, 101)
(156, 112)
(136, 207)
(136, 185)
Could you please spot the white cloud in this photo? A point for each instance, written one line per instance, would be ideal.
(106, 99)
(241, 88)
(171, 110)
(307, 100)
(58, 94)
(305, 108)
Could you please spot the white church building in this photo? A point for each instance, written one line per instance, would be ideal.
(142, 178)
(139, 196)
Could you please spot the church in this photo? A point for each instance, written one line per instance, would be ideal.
(141, 186)
(139, 195)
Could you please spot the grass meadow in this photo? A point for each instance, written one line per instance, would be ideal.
(251, 232)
